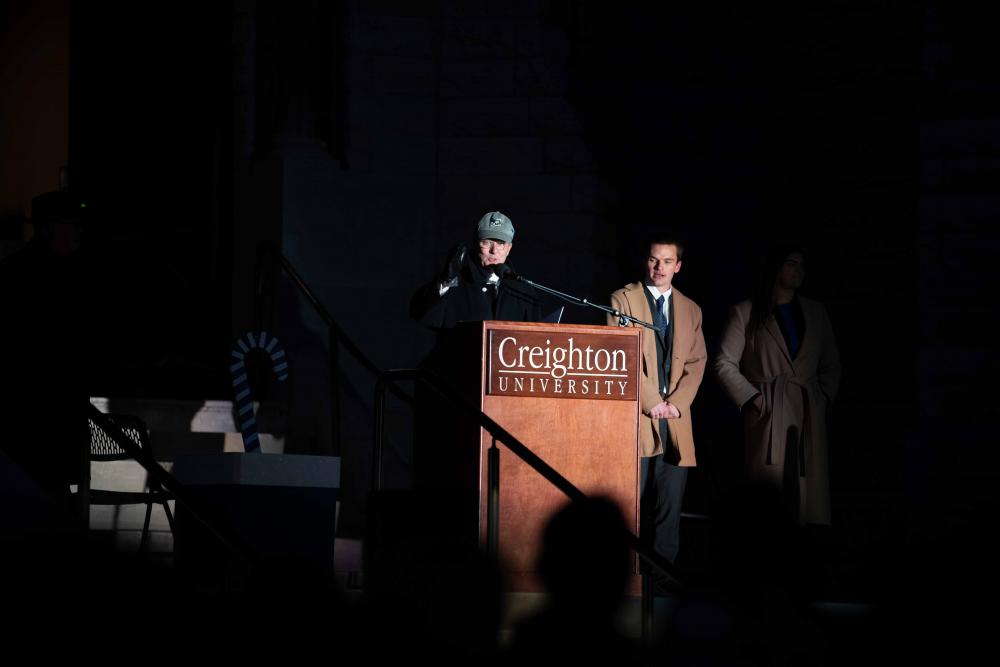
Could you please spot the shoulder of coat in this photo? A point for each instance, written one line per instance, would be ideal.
(744, 306)
(622, 292)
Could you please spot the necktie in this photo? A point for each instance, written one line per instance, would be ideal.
(659, 321)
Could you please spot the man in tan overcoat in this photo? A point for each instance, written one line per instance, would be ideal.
(673, 364)
(778, 362)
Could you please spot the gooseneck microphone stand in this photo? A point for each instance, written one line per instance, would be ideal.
(623, 319)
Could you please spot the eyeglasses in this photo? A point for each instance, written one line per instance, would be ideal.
(486, 243)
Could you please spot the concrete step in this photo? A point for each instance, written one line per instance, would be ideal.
(185, 427)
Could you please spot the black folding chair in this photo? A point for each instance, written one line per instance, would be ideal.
(104, 448)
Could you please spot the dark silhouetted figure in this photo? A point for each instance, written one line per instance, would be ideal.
(584, 566)
(44, 348)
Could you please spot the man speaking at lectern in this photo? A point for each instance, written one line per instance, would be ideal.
(472, 285)
(673, 363)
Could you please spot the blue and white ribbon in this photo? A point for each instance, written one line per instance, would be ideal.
(241, 388)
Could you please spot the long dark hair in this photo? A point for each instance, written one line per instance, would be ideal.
(763, 297)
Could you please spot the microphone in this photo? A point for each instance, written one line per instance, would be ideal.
(504, 271)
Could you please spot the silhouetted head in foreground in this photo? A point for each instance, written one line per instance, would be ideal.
(585, 557)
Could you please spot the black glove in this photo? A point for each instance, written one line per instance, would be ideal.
(456, 259)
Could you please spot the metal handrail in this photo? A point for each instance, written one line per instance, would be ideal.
(321, 310)
(337, 335)
(499, 433)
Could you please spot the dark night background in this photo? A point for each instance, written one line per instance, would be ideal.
(366, 137)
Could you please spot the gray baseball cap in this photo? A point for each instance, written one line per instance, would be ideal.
(495, 225)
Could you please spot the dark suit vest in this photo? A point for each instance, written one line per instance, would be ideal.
(664, 350)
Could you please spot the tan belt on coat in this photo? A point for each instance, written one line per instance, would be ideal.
(780, 385)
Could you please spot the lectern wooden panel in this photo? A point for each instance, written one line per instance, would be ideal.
(569, 393)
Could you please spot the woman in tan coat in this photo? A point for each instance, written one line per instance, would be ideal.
(778, 362)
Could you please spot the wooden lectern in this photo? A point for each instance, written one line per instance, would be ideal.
(570, 393)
